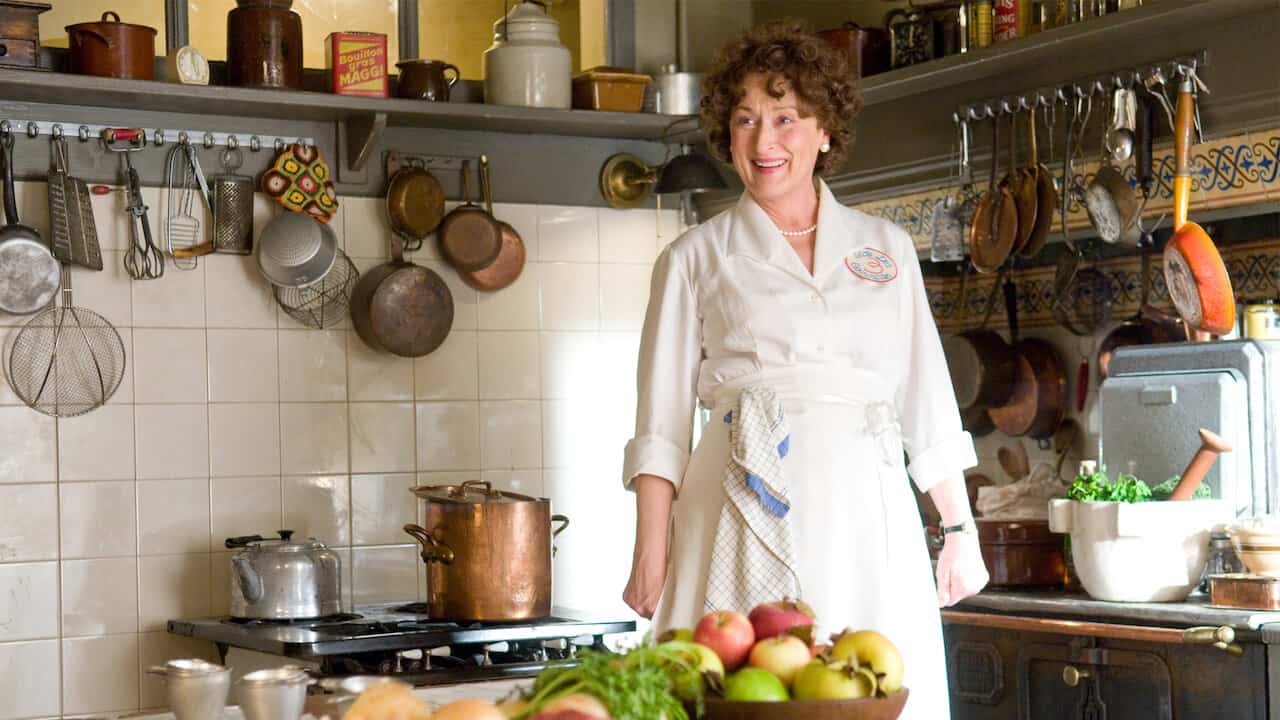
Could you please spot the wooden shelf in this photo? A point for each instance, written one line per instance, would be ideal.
(153, 96)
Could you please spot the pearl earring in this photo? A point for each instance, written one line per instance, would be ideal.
(825, 147)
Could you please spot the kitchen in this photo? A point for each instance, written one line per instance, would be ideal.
(235, 418)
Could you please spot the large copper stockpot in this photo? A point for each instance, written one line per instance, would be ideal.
(488, 552)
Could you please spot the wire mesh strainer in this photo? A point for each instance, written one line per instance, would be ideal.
(66, 360)
(325, 302)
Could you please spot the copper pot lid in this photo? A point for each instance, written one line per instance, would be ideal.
(472, 492)
(109, 19)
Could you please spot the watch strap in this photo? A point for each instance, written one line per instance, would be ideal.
(964, 526)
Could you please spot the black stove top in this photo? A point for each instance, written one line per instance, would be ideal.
(392, 627)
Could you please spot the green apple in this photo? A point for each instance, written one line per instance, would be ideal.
(682, 634)
(871, 649)
(755, 685)
(836, 681)
(708, 661)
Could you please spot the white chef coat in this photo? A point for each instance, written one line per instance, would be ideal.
(731, 304)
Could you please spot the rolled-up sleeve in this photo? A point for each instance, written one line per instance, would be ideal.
(935, 440)
(667, 376)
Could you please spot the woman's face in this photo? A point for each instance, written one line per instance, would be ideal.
(773, 147)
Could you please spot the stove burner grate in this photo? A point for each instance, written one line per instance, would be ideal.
(284, 622)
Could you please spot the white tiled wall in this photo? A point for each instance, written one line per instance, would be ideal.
(234, 420)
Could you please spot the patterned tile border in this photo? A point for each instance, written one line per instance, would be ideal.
(1228, 172)
(1254, 268)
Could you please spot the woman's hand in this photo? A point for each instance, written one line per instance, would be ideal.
(961, 571)
(648, 573)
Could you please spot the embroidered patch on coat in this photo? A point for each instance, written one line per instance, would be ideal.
(871, 264)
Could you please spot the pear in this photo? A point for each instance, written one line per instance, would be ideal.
(868, 648)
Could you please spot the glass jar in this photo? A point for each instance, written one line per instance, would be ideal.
(1222, 558)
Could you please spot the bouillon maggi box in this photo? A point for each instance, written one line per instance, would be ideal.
(357, 62)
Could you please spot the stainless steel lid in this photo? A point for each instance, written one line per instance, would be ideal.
(285, 675)
(188, 667)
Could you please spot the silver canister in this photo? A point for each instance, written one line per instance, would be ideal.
(274, 694)
(232, 206)
(677, 93)
(197, 689)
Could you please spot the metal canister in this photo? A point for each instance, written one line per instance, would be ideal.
(1006, 20)
(1262, 320)
(980, 17)
(264, 45)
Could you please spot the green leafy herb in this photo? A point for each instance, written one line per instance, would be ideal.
(645, 683)
(1165, 489)
(1097, 487)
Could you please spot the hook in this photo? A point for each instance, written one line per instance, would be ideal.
(33, 130)
(209, 140)
(279, 144)
(56, 131)
(157, 136)
(1004, 108)
(232, 142)
(5, 129)
(83, 133)
(255, 143)
(183, 138)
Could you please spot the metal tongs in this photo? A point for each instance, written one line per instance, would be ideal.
(143, 260)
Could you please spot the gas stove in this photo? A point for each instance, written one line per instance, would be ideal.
(401, 640)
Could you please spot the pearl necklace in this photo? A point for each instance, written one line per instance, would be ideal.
(798, 233)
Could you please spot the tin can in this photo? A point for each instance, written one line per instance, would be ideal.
(357, 63)
(1006, 20)
(980, 17)
(1262, 320)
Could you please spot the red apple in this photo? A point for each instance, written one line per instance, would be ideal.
(775, 618)
(729, 634)
(783, 655)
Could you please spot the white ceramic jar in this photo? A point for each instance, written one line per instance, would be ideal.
(527, 65)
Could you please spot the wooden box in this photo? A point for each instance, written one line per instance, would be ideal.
(20, 33)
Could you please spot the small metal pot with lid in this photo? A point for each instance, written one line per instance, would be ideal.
(488, 552)
(284, 579)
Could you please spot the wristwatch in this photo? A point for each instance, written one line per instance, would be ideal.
(965, 526)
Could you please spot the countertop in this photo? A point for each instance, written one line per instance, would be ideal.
(1079, 606)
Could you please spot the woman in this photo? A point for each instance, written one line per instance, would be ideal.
(812, 318)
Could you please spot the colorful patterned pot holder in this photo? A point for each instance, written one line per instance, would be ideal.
(300, 181)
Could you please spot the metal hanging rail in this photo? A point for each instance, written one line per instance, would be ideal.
(158, 137)
(1150, 75)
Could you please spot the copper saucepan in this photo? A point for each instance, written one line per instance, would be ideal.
(470, 238)
(1039, 399)
(488, 552)
(995, 221)
(415, 201)
(511, 257)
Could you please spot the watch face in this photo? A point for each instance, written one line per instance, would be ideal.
(192, 66)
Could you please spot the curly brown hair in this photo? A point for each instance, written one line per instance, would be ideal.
(782, 50)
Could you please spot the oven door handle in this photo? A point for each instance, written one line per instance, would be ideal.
(1222, 637)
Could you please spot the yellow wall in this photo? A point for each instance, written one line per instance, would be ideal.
(68, 12)
(457, 31)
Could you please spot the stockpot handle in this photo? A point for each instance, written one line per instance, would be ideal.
(485, 484)
(433, 550)
(564, 523)
(241, 541)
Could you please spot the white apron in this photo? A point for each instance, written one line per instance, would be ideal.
(862, 560)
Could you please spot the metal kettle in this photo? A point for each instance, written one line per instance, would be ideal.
(284, 579)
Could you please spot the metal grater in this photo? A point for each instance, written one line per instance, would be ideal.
(74, 234)
(232, 207)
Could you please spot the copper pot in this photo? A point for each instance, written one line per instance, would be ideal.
(488, 552)
(110, 48)
(264, 45)
(1022, 553)
(866, 48)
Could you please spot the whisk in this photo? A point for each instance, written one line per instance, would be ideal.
(66, 360)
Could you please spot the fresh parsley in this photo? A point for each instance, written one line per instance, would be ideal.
(645, 683)
(1099, 488)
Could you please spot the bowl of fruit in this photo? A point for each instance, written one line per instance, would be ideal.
(774, 669)
(730, 666)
